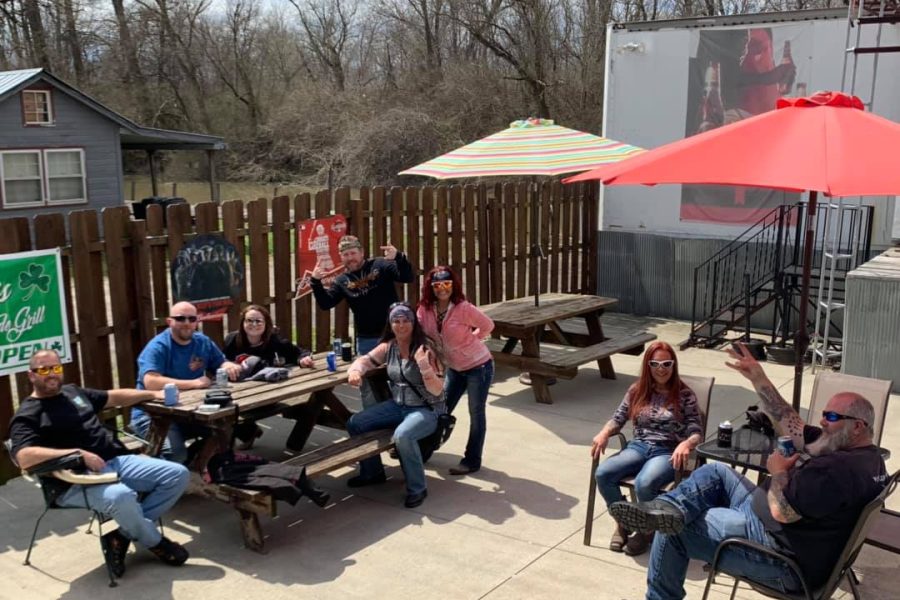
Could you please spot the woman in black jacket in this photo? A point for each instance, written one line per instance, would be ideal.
(257, 337)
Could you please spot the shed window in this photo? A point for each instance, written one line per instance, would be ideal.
(21, 172)
(42, 177)
(65, 175)
(36, 104)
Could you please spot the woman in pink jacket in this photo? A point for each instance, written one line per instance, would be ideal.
(459, 327)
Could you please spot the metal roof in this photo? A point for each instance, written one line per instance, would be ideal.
(814, 14)
(132, 135)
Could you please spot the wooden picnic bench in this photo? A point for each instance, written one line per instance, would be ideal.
(560, 334)
(307, 396)
(250, 504)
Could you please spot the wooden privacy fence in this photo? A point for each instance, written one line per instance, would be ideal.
(117, 283)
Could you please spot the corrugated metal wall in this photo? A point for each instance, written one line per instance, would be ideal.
(654, 274)
(872, 319)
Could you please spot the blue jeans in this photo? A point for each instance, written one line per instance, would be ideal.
(649, 462)
(162, 482)
(175, 446)
(476, 382)
(717, 504)
(412, 424)
(364, 345)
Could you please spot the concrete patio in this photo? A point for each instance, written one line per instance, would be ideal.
(512, 530)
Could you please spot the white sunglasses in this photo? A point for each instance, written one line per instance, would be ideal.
(665, 364)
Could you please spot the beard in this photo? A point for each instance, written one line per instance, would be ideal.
(829, 442)
(48, 386)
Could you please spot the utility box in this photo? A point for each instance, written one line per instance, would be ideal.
(872, 319)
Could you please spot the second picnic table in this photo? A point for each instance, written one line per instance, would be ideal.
(557, 336)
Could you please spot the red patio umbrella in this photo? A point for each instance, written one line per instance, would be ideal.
(826, 143)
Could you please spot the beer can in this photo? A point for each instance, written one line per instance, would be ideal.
(330, 361)
(346, 352)
(171, 394)
(221, 378)
(785, 445)
(724, 436)
(336, 346)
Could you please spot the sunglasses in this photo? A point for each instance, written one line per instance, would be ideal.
(183, 318)
(255, 321)
(665, 364)
(442, 285)
(44, 371)
(833, 417)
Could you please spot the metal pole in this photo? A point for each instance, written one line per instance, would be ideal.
(801, 336)
(537, 253)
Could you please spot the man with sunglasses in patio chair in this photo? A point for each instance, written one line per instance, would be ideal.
(368, 287)
(58, 420)
(183, 356)
(807, 508)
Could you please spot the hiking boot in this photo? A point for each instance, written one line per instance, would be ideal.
(619, 538)
(115, 547)
(638, 543)
(171, 553)
(655, 515)
(414, 500)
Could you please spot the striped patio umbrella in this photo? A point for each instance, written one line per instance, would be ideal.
(527, 147)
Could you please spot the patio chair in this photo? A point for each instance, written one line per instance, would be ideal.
(827, 384)
(842, 569)
(63, 469)
(702, 387)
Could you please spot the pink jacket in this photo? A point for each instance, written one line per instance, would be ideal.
(461, 335)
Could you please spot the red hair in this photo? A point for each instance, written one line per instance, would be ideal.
(642, 390)
(427, 298)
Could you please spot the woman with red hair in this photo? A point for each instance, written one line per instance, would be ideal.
(667, 426)
(459, 328)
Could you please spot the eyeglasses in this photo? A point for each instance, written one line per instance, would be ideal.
(442, 285)
(665, 364)
(183, 318)
(833, 417)
(44, 371)
(254, 321)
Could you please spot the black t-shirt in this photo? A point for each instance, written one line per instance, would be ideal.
(829, 492)
(66, 420)
(369, 291)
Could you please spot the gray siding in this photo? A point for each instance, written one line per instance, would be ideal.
(76, 125)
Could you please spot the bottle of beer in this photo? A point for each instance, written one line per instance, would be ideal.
(787, 84)
(714, 112)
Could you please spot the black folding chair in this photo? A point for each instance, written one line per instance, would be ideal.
(52, 475)
(842, 568)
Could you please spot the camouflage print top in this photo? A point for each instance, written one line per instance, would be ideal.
(659, 425)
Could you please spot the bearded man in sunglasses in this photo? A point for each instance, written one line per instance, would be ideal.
(183, 356)
(807, 508)
(58, 420)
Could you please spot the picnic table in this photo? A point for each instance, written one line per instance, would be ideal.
(307, 396)
(557, 336)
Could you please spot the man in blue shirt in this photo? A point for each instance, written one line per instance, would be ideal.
(185, 357)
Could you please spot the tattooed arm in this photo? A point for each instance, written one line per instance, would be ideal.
(780, 470)
(783, 416)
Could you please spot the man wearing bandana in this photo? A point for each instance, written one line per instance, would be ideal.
(368, 287)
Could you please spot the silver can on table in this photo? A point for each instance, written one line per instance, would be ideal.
(221, 378)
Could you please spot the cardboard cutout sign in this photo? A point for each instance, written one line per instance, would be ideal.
(317, 239)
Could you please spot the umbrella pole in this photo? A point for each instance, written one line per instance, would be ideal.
(537, 253)
(801, 336)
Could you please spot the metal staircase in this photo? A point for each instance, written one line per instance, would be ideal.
(762, 267)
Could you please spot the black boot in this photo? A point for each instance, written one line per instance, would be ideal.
(318, 497)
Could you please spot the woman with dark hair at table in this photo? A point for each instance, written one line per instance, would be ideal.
(415, 375)
(257, 336)
(460, 328)
(667, 426)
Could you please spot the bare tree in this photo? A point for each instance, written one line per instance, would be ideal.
(328, 24)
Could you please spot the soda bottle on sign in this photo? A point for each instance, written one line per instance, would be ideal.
(715, 112)
(787, 82)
